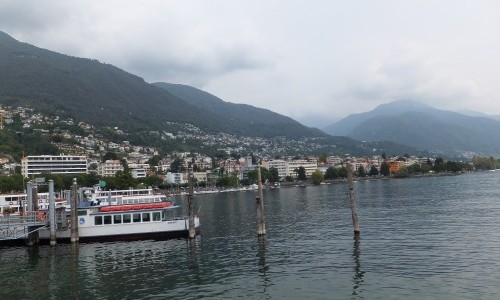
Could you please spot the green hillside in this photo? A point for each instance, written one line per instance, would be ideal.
(261, 120)
(104, 95)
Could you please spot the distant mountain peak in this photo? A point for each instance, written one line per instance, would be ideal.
(400, 106)
(422, 126)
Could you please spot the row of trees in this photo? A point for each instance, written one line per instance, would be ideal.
(124, 179)
(439, 166)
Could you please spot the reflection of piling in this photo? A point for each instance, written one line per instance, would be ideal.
(192, 229)
(358, 273)
(52, 213)
(355, 221)
(261, 216)
(74, 215)
(33, 237)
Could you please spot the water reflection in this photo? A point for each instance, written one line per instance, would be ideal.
(263, 267)
(194, 251)
(358, 273)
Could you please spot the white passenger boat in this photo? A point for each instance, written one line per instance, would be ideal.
(97, 223)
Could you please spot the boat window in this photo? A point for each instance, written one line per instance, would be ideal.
(136, 217)
(126, 218)
(156, 216)
(146, 217)
(117, 219)
(107, 220)
(82, 212)
(98, 220)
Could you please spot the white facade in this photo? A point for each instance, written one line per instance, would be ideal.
(309, 165)
(139, 170)
(53, 164)
(280, 165)
(200, 176)
(139, 173)
(175, 178)
(109, 168)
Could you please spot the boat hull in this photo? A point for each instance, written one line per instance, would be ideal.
(130, 232)
(157, 236)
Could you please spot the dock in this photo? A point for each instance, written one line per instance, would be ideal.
(19, 226)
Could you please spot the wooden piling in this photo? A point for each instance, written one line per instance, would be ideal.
(74, 213)
(352, 197)
(33, 236)
(261, 215)
(192, 228)
(52, 213)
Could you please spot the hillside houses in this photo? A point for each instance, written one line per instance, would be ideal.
(74, 138)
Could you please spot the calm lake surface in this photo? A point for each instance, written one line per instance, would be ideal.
(421, 238)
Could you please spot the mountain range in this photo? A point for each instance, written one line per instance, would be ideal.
(108, 97)
(424, 127)
(104, 95)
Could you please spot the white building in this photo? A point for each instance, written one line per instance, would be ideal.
(139, 173)
(175, 178)
(139, 170)
(200, 176)
(280, 165)
(109, 168)
(53, 164)
(309, 165)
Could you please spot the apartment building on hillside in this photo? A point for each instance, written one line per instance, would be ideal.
(53, 164)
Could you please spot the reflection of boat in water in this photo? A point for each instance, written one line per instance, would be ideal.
(129, 217)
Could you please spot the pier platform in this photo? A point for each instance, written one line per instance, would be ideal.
(18, 226)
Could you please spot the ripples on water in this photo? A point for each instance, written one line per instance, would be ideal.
(423, 238)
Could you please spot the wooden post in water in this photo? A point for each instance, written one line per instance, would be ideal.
(261, 215)
(74, 213)
(355, 221)
(192, 228)
(29, 198)
(52, 213)
(33, 237)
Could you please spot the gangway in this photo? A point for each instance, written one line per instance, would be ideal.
(18, 226)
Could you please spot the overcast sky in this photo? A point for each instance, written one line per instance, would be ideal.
(315, 61)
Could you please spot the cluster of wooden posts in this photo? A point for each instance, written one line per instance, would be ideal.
(261, 223)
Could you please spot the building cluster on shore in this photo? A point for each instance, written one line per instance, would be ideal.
(85, 154)
(34, 165)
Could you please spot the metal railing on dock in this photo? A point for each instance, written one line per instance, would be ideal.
(17, 226)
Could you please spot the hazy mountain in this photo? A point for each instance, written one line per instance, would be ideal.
(104, 95)
(261, 120)
(473, 113)
(423, 127)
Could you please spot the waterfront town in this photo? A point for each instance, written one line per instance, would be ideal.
(89, 152)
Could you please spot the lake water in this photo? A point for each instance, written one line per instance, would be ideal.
(421, 238)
